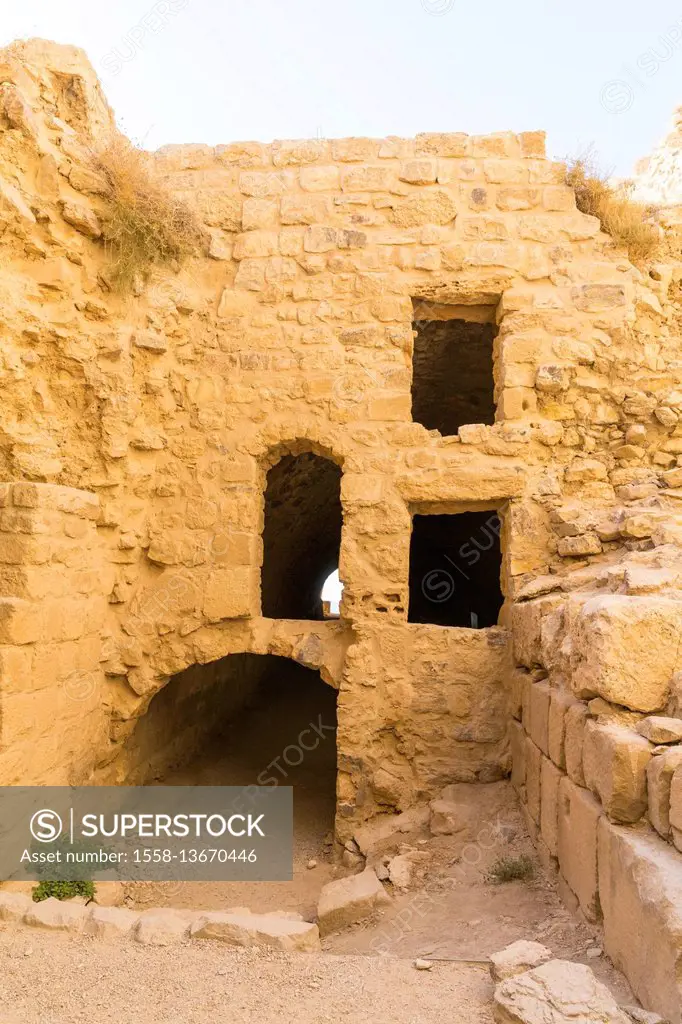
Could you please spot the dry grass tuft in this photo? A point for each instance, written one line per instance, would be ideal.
(621, 217)
(145, 225)
(512, 869)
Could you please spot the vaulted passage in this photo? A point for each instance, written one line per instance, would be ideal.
(452, 374)
(302, 535)
(243, 720)
(455, 563)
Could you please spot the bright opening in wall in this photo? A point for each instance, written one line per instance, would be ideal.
(452, 366)
(455, 563)
(331, 595)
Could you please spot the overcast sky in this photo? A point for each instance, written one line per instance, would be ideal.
(607, 72)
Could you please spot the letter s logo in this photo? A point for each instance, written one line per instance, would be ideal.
(46, 826)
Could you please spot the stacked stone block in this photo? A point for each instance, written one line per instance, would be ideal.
(53, 606)
(599, 776)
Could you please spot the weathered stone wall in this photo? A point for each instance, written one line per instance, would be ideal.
(597, 753)
(163, 411)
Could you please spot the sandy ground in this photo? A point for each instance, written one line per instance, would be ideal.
(455, 911)
(452, 911)
(50, 979)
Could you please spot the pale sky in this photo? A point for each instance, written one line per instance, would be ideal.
(607, 72)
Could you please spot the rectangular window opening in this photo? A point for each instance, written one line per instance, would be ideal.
(452, 366)
(455, 565)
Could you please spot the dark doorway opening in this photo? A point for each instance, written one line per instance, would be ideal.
(452, 374)
(455, 563)
(302, 535)
(244, 720)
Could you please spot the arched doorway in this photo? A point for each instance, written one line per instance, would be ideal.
(301, 536)
(247, 719)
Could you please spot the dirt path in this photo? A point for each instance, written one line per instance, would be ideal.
(50, 979)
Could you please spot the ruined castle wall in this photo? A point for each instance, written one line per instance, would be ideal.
(165, 409)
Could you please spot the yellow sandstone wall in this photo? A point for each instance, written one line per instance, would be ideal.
(136, 434)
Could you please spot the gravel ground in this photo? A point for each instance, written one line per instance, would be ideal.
(53, 979)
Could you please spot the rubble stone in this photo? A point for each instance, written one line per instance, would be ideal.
(558, 992)
(270, 931)
(348, 900)
(517, 958)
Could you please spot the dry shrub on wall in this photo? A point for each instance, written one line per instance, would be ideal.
(144, 224)
(628, 222)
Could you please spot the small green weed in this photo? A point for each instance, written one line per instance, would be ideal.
(63, 890)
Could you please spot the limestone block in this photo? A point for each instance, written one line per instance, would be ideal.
(585, 470)
(57, 915)
(162, 927)
(516, 403)
(428, 207)
(625, 649)
(304, 209)
(11, 198)
(558, 992)
(676, 808)
(288, 152)
(517, 958)
(255, 245)
(538, 715)
(640, 886)
(229, 594)
(446, 144)
(401, 869)
(110, 922)
(579, 547)
(615, 761)
(320, 179)
(579, 814)
(76, 502)
(660, 729)
(419, 172)
(550, 778)
(660, 772)
(517, 739)
(82, 218)
(533, 774)
(527, 617)
(518, 680)
(348, 900)
(354, 149)
(447, 818)
(14, 906)
(595, 298)
(289, 934)
(576, 717)
(21, 622)
(559, 703)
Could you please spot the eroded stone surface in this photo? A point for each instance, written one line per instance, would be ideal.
(348, 900)
(267, 930)
(162, 927)
(57, 915)
(558, 992)
(517, 958)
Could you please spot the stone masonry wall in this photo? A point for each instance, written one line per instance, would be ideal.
(158, 414)
(597, 754)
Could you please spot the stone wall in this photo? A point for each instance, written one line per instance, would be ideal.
(597, 754)
(138, 431)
